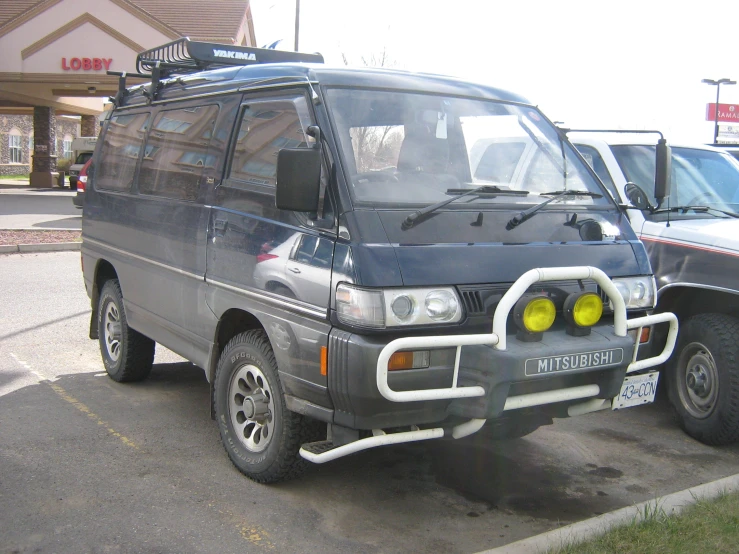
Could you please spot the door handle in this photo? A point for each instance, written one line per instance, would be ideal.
(294, 269)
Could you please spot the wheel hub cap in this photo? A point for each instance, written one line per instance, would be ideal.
(251, 408)
(699, 384)
(698, 381)
(112, 332)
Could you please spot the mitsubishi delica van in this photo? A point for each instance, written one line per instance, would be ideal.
(359, 257)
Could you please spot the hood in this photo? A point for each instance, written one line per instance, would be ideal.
(716, 233)
(464, 247)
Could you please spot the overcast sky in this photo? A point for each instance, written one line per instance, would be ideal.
(627, 64)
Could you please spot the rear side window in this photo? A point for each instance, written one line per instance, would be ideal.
(265, 128)
(124, 139)
(176, 153)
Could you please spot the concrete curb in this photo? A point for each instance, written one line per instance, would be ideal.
(41, 247)
(672, 504)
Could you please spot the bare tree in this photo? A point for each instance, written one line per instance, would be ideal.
(375, 148)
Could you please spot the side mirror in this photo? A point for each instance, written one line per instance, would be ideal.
(637, 196)
(663, 171)
(298, 179)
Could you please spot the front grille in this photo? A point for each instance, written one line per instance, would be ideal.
(473, 302)
(483, 299)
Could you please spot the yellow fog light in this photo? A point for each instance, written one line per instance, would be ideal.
(533, 315)
(582, 310)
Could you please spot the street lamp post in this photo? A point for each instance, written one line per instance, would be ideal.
(718, 89)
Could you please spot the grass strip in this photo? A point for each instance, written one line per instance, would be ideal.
(707, 526)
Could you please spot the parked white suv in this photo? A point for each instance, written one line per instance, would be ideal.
(82, 149)
(693, 244)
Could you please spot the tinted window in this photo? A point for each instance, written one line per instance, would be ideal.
(265, 128)
(82, 158)
(124, 138)
(176, 153)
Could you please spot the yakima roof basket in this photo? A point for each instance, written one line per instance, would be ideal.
(185, 56)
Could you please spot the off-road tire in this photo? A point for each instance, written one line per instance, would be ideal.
(709, 345)
(279, 460)
(135, 352)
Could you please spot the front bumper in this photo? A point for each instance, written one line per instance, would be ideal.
(491, 376)
(79, 199)
(497, 340)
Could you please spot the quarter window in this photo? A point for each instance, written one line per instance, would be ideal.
(176, 153)
(124, 139)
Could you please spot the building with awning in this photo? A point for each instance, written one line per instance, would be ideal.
(55, 56)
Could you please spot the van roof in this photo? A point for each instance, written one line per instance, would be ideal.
(244, 77)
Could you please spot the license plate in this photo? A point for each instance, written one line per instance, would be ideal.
(637, 390)
(574, 362)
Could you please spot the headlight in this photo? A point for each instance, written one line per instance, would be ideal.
(637, 292)
(378, 308)
(361, 307)
(421, 306)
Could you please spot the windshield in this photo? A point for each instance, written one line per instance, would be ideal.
(404, 148)
(83, 157)
(699, 177)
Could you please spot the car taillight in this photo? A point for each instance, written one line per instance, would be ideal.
(265, 257)
(81, 183)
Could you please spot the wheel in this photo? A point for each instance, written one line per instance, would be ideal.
(127, 354)
(262, 437)
(703, 378)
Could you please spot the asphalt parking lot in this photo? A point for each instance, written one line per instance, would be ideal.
(89, 465)
(22, 207)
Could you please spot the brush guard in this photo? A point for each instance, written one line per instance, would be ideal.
(324, 451)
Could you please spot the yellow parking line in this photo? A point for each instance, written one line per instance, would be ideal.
(64, 395)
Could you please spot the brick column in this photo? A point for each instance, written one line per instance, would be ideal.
(89, 126)
(43, 172)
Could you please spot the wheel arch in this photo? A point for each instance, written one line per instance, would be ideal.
(104, 271)
(231, 323)
(686, 300)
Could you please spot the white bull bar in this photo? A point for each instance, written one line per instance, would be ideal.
(497, 339)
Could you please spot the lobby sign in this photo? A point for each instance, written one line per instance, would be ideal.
(86, 64)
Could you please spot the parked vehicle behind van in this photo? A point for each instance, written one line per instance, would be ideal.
(358, 257)
(82, 149)
(692, 238)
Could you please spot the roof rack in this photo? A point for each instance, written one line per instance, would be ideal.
(186, 56)
(183, 56)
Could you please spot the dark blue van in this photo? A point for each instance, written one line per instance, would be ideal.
(358, 257)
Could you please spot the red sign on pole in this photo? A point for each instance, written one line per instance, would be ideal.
(726, 112)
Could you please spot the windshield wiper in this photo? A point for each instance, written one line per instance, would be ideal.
(700, 209)
(516, 220)
(491, 190)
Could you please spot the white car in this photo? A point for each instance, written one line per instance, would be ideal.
(297, 268)
(692, 239)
